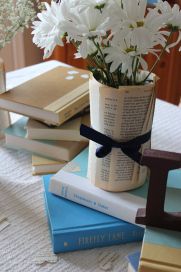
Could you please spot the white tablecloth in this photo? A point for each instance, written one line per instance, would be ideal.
(25, 244)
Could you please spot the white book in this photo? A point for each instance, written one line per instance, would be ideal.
(15, 137)
(71, 183)
(69, 131)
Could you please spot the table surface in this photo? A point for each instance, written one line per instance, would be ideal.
(25, 244)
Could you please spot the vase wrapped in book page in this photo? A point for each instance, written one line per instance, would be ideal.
(4, 115)
(121, 114)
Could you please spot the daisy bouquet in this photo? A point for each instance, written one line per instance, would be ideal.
(113, 35)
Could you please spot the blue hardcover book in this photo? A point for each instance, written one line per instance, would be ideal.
(75, 227)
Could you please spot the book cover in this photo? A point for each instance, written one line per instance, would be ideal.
(75, 227)
(54, 96)
(161, 251)
(15, 137)
(72, 183)
(69, 131)
(42, 165)
(133, 261)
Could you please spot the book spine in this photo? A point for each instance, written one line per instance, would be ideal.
(77, 189)
(120, 233)
(73, 108)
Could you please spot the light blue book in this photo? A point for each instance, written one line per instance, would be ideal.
(15, 136)
(75, 227)
(72, 183)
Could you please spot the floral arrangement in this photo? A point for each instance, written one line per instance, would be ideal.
(15, 16)
(113, 35)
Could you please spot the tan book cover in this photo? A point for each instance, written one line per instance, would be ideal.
(54, 96)
(15, 137)
(69, 131)
(42, 165)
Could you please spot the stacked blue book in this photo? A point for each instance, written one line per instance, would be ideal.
(74, 227)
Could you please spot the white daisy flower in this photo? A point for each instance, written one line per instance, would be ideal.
(173, 19)
(173, 14)
(141, 28)
(88, 23)
(123, 54)
(117, 57)
(99, 4)
(85, 50)
(48, 31)
(85, 25)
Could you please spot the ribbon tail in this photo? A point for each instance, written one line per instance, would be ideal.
(103, 151)
(134, 155)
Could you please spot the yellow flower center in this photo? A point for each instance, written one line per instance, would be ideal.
(130, 49)
(138, 24)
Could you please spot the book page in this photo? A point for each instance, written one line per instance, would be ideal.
(121, 114)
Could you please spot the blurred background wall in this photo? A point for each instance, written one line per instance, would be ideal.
(21, 52)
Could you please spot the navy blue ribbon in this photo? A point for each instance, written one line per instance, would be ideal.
(130, 148)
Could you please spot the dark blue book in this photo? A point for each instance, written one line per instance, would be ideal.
(76, 227)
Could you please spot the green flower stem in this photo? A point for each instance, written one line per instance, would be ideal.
(125, 77)
(95, 62)
(119, 76)
(135, 71)
(108, 74)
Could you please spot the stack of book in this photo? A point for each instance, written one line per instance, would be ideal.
(55, 104)
(82, 216)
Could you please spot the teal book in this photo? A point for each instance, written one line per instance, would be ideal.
(71, 182)
(76, 227)
(15, 136)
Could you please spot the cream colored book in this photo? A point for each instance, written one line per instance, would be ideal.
(53, 97)
(69, 131)
(42, 165)
(57, 150)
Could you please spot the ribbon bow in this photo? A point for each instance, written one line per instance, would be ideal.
(129, 148)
